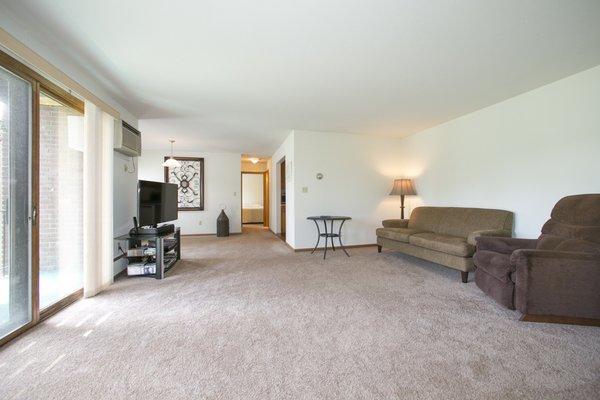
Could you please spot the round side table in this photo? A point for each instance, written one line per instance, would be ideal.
(329, 233)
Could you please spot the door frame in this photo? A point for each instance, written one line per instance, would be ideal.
(279, 188)
(38, 84)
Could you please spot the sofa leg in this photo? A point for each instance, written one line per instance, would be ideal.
(464, 276)
(378, 248)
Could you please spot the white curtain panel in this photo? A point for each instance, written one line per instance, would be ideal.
(97, 200)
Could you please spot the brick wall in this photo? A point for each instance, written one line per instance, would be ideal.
(61, 193)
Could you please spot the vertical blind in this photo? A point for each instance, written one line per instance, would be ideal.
(97, 199)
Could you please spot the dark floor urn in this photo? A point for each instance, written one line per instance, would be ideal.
(222, 224)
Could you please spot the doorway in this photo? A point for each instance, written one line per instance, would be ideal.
(253, 199)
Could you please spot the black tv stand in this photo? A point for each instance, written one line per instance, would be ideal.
(167, 250)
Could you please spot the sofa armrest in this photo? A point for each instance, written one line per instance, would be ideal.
(395, 223)
(487, 232)
(557, 283)
(504, 245)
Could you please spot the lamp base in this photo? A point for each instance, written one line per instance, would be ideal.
(402, 206)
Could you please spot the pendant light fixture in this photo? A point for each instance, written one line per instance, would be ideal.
(171, 162)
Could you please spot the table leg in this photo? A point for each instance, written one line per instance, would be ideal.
(340, 238)
(318, 236)
(160, 265)
(326, 236)
(332, 243)
(178, 246)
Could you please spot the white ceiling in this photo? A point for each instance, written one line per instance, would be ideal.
(239, 75)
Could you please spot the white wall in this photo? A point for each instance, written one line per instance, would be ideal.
(286, 150)
(252, 189)
(221, 187)
(125, 177)
(522, 154)
(358, 173)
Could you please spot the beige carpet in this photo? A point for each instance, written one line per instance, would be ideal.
(245, 318)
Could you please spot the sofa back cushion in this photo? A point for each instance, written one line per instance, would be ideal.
(458, 221)
(574, 225)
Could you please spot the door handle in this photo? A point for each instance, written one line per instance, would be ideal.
(33, 217)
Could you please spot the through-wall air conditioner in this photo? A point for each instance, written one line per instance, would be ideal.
(128, 140)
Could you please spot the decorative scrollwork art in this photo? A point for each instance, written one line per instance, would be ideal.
(190, 179)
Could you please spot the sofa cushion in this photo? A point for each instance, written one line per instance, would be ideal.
(495, 264)
(459, 221)
(398, 234)
(454, 245)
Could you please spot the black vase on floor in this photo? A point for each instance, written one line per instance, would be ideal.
(222, 224)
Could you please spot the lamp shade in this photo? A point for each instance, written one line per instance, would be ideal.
(171, 163)
(403, 187)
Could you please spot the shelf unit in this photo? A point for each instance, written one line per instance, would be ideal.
(168, 251)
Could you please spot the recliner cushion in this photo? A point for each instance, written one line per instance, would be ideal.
(557, 243)
(398, 234)
(573, 217)
(454, 245)
(495, 264)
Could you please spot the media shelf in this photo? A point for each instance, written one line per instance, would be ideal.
(152, 255)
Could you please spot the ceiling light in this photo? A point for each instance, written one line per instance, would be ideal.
(171, 162)
(254, 160)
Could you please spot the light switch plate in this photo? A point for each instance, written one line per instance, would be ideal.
(304, 189)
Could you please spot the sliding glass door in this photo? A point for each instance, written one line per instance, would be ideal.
(41, 198)
(16, 278)
(61, 200)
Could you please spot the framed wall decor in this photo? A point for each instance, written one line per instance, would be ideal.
(190, 179)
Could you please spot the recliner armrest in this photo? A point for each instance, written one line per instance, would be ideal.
(557, 283)
(487, 232)
(395, 223)
(504, 245)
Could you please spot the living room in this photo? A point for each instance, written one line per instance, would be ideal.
(300, 200)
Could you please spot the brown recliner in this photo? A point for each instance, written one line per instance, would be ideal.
(554, 278)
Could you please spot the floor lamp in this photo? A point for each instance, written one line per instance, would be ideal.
(403, 187)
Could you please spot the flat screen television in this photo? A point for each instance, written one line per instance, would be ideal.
(157, 202)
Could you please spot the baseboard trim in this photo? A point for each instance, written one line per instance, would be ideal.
(353, 246)
(554, 319)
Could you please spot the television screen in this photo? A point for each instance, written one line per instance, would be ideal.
(157, 202)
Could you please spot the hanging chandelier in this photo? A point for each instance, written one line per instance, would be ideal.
(171, 162)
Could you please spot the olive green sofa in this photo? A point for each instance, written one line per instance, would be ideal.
(444, 235)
